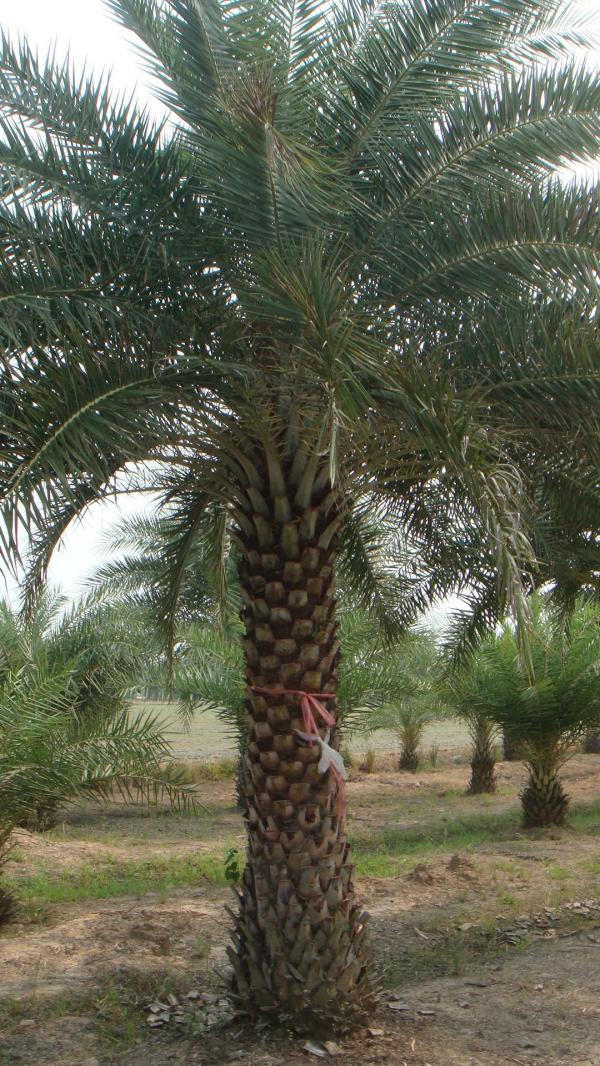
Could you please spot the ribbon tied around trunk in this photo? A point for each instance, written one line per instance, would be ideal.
(312, 708)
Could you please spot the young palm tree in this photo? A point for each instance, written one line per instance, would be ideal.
(548, 704)
(273, 302)
(467, 690)
(483, 758)
(412, 694)
(65, 726)
(409, 724)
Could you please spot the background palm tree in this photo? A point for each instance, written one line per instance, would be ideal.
(547, 706)
(412, 696)
(65, 727)
(277, 302)
(591, 743)
(467, 690)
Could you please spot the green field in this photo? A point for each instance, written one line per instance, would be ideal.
(208, 738)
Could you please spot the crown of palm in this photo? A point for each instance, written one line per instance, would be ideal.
(346, 237)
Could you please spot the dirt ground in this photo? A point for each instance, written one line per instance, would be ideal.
(487, 941)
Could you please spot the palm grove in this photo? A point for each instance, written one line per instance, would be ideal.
(341, 279)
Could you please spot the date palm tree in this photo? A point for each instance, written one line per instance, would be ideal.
(65, 727)
(412, 691)
(468, 692)
(269, 309)
(547, 706)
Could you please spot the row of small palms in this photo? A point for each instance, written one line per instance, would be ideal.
(540, 703)
(544, 705)
(544, 708)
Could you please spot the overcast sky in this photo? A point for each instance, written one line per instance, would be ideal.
(84, 28)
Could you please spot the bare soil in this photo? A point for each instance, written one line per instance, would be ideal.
(489, 952)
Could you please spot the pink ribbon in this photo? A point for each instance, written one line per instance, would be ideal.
(310, 705)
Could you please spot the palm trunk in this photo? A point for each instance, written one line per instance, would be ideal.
(409, 756)
(8, 907)
(41, 820)
(591, 744)
(483, 776)
(483, 762)
(510, 747)
(544, 800)
(299, 951)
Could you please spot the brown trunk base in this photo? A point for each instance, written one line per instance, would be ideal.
(315, 982)
(483, 776)
(41, 820)
(409, 761)
(8, 906)
(591, 744)
(510, 749)
(544, 801)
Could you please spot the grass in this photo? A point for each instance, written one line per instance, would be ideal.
(13, 1011)
(385, 858)
(197, 772)
(453, 953)
(585, 818)
(114, 1006)
(139, 826)
(113, 878)
(559, 873)
(392, 853)
(395, 847)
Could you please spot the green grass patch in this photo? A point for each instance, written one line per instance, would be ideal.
(453, 954)
(391, 852)
(132, 827)
(585, 818)
(110, 879)
(13, 1011)
(388, 855)
(559, 873)
(201, 771)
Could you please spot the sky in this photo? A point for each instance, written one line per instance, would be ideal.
(86, 30)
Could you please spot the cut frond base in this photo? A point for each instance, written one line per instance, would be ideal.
(8, 906)
(328, 990)
(483, 776)
(544, 800)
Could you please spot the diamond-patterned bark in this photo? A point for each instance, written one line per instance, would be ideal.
(483, 761)
(544, 800)
(299, 935)
(483, 773)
